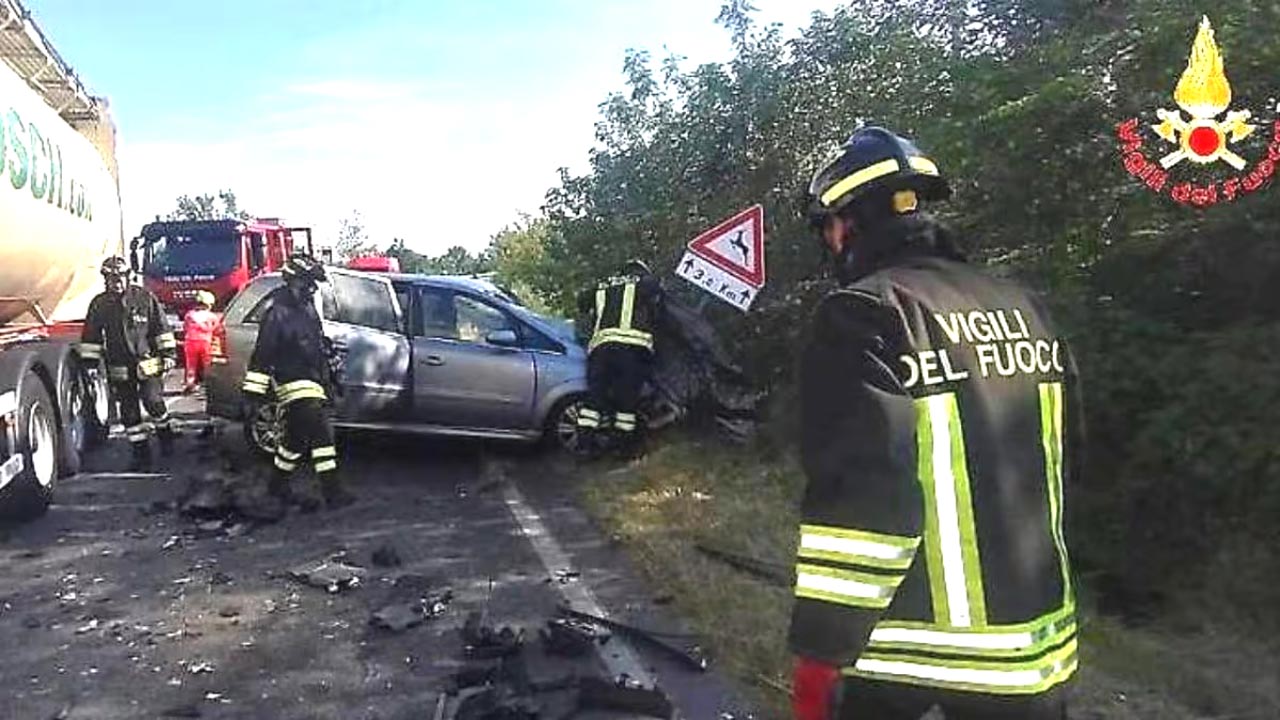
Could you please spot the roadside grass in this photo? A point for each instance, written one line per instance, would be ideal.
(689, 491)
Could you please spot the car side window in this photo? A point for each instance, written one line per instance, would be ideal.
(257, 312)
(436, 315)
(366, 302)
(476, 319)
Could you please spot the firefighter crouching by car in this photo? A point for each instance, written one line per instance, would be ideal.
(622, 312)
(939, 423)
(125, 327)
(292, 358)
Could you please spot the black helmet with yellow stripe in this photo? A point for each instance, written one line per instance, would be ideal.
(877, 168)
(301, 267)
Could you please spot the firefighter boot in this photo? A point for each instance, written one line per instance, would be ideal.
(280, 489)
(335, 495)
(141, 456)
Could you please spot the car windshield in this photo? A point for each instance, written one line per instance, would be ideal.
(212, 251)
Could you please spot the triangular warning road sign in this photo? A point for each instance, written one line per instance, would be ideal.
(736, 246)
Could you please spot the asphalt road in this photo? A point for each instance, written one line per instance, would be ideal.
(112, 606)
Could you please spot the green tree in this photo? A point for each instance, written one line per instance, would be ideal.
(353, 241)
(222, 206)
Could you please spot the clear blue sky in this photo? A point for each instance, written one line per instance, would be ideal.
(439, 122)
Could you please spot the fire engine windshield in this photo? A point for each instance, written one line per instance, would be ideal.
(214, 251)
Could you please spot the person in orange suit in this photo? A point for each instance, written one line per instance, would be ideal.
(197, 330)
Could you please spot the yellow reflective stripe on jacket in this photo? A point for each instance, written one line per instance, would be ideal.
(950, 538)
(1051, 432)
(857, 547)
(118, 372)
(256, 383)
(621, 337)
(996, 641)
(150, 367)
(299, 390)
(327, 451)
(166, 341)
(90, 351)
(845, 587)
(628, 306)
(326, 466)
(985, 676)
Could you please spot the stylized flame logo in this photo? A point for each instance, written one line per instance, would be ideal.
(1203, 91)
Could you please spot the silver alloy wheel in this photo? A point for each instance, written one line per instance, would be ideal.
(101, 400)
(40, 435)
(264, 427)
(569, 436)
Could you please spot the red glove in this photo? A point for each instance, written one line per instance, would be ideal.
(813, 690)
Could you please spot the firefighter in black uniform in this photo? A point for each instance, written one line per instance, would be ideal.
(939, 423)
(622, 311)
(125, 326)
(293, 358)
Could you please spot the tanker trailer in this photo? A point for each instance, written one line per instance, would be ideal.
(59, 218)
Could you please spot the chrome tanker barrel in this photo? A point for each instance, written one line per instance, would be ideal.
(59, 207)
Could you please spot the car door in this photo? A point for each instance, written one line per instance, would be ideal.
(469, 367)
(362, 318)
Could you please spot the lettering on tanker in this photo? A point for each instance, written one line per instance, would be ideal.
(999, 343)
(33, 160)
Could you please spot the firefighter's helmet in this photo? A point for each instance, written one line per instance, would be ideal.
(115, 266)
(874, 163)
(205, 298)
(303, 267)
(636, 267)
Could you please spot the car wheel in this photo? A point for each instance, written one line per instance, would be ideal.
(75, 421)
(27, 496)
(562, 430)
(262, 428)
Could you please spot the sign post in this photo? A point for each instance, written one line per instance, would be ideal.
(727, 261)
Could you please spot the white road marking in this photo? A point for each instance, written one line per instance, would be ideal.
(618, 655)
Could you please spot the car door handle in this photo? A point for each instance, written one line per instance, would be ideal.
(435, 360)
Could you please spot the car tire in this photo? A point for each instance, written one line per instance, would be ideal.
(28, 495)
(562, 432)
(261, 428)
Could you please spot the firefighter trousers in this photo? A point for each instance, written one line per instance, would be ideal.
(135, 394)
(616, 374)
(306, 437)
(867, 699)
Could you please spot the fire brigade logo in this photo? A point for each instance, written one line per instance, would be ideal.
(1200, 137)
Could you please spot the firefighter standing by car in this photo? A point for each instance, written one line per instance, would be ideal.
(197, 333)
(125, 327)
(939, 420)
(622, 311)
(293, 354)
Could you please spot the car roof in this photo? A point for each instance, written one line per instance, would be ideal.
(453, 282)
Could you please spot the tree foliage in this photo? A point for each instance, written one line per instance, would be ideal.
(1172, 310)
(353, 240)
(222, 206)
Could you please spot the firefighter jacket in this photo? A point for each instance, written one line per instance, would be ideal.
(623, 311)
(129, 333)
(291, 351)
(931, 549)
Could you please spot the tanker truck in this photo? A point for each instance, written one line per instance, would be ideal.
(59, 218)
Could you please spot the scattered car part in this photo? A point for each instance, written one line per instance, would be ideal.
(774, 573)
(570, 637)
(330, 575)
(623, 695)
(482, 641)
(691, 657)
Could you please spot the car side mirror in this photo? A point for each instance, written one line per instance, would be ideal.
(502, 338)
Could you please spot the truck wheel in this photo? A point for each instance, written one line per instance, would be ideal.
(73, 402)
(27, 495)
(261, 428)
(97, 406)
